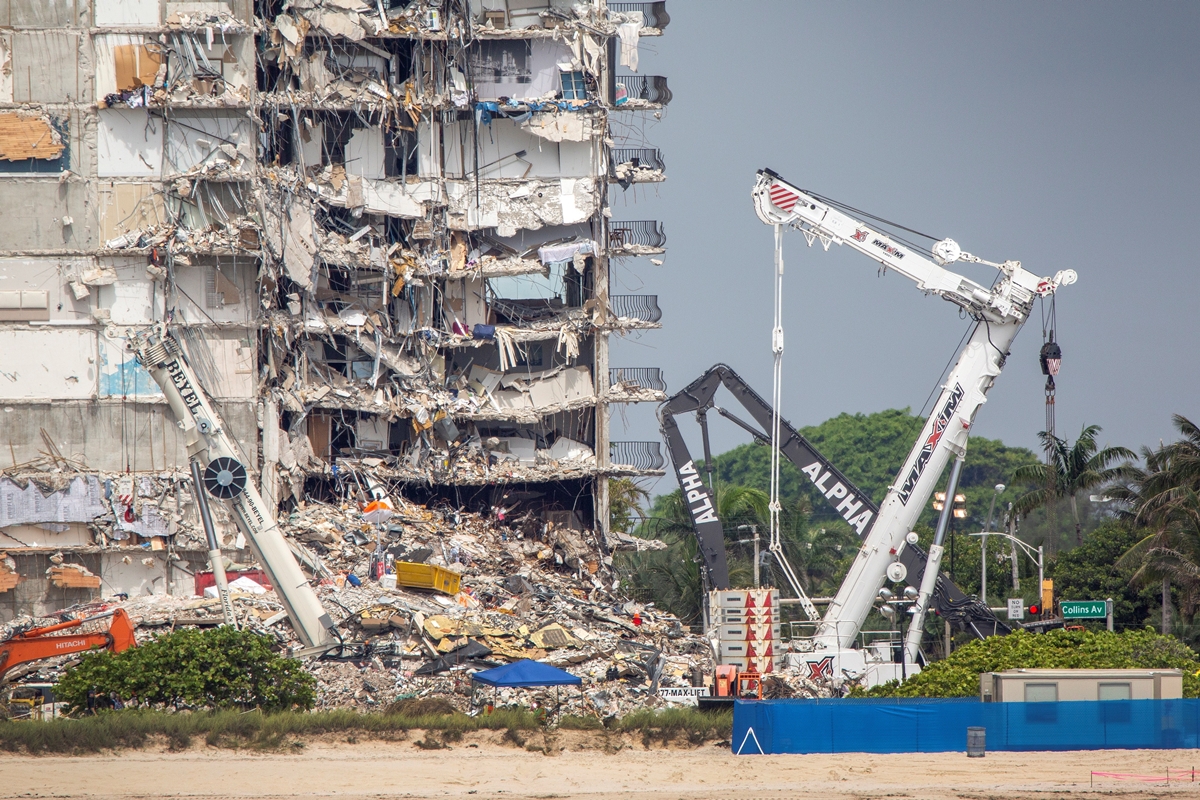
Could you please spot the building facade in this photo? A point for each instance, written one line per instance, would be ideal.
(381, 231)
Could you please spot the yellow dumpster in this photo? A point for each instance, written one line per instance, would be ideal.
(426, 576)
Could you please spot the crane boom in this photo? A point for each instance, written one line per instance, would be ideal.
(226, 477)
(1000, 311)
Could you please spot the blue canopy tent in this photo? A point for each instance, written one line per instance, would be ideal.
(526, 673)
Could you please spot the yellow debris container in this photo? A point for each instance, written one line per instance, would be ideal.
(426, 576)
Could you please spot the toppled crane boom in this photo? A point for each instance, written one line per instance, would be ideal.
(226, 477)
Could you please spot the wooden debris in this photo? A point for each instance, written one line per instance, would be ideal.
(23, 137)
(69, 577)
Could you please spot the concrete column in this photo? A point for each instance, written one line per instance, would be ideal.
(600, 362)
(270, 453)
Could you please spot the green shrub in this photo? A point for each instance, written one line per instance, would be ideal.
(958, 675)
(216, 668)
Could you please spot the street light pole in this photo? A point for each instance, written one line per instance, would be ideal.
(983, 567)
(1040, 553)
(1012, 532)
(983, 539)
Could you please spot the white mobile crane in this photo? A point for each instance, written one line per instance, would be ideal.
(999, 312)
(214, 452)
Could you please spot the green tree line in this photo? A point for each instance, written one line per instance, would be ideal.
(1112, 524)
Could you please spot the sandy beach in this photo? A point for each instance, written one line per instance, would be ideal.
(581, 767)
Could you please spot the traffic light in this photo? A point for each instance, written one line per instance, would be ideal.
(1035, 609)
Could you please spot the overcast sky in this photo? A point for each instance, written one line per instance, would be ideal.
(1063, 135)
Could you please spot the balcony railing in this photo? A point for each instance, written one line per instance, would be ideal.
(647, 378)
(642, 307)
(654, 15)
(643, 232)
(648, 88)
(639, 157)
(639, 455)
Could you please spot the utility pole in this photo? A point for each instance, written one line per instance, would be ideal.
(1166, 606)
(757, 551)
(757, 559)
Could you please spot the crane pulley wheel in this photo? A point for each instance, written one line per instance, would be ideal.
(225, 478)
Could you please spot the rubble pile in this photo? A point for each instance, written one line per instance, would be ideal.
(527, 589)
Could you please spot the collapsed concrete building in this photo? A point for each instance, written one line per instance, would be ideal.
(380, 229)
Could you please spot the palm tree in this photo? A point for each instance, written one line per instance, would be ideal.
(1172, 474)
(1165, 499)
(626, 501)
(1071, 470)
(817, 554)
(671, 577)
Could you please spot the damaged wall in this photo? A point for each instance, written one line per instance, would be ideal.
(334, 207)
(109, 435)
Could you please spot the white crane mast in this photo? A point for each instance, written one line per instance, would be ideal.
(226, 476)
(999, 311)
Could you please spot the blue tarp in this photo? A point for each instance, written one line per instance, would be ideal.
(526, 673)
(934, 726)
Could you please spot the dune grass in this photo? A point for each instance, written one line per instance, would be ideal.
(133, 729)
(116, 730)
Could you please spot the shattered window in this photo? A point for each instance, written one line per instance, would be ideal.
(531, 287)
(573, 86)
(532, 356)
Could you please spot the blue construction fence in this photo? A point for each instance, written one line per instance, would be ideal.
(938, 726)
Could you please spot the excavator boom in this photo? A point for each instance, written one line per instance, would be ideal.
(840, 493)
(38, 643)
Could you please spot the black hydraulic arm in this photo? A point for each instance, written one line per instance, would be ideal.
(850, 503)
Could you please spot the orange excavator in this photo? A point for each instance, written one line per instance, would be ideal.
(38, 643)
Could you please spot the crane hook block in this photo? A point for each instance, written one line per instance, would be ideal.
(225, 478)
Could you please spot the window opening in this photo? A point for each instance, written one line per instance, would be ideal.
(573, 86)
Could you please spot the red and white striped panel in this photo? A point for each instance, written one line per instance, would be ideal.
(783, 197)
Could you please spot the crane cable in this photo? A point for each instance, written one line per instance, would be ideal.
(776, 545)
(1051, 360)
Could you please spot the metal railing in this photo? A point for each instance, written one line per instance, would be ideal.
(646, 157)
(639, 455)
(644, 232)
(643, 307)
(649, 88)
(648, 378)
(654, 15)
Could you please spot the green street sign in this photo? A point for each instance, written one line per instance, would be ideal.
(1083, 609)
